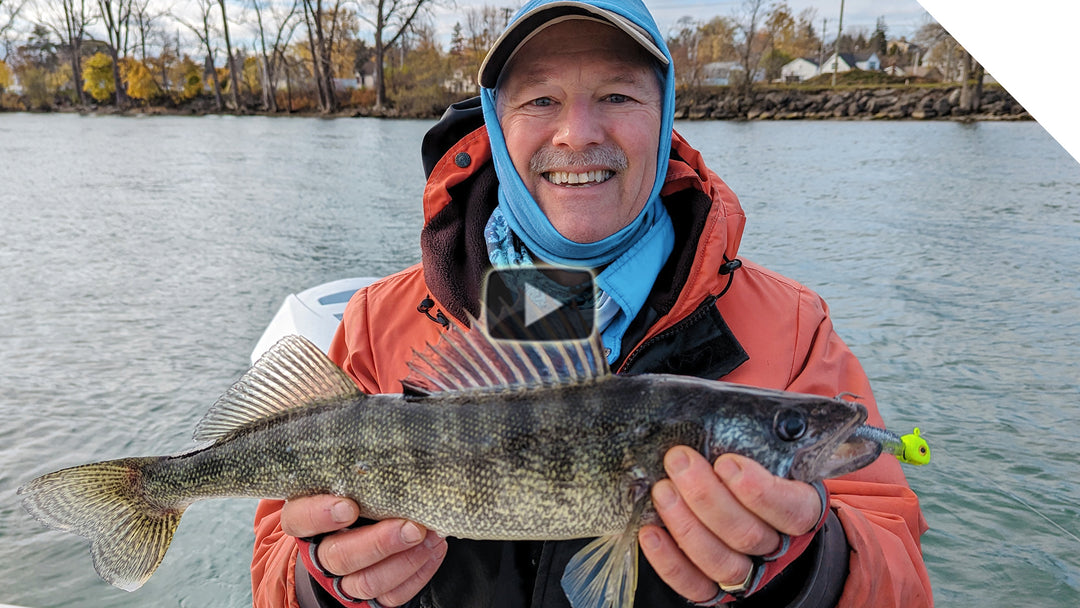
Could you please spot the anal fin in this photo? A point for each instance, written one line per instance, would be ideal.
(604, 573)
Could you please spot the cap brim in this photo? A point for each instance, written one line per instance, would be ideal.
(535, 21)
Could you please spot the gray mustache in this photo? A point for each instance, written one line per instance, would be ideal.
(608, 156)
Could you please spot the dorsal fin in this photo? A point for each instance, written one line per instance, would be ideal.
(293, 374)
(467, 360)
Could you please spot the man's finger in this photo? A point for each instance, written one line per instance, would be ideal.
(792, 507)
(673, 567)
(312, 515)
(701, 547)
(351, 550)
(397, 579)
(715, 506)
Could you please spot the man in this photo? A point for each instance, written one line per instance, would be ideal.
(576, 163)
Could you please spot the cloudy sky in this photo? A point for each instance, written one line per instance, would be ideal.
(902, 17)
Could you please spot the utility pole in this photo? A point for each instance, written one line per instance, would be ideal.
(836, 51)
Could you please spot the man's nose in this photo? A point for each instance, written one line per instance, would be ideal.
(579, 125)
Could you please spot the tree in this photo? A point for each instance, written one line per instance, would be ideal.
(6, 77)
(322, 26)
(116, 17)
(188, 74)
(284, 23)
(99, 77)
(69, 20)
(233, 76)
(140, 81)
(205, 33)
(9, 13)
(878, 41)
(391, 19)
(750, 44)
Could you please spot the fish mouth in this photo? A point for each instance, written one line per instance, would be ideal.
(852, 454)
(583, 178)
(840, 453)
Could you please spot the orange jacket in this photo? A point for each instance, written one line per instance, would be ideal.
(783, 339)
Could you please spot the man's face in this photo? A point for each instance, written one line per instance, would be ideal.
(580, 109)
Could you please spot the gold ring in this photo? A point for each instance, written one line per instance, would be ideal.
(740, 587)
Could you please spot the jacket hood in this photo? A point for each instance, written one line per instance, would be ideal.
(521, 211)
(460, 195)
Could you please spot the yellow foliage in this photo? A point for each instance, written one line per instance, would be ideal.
(6, 77)
(140, 82)
(188, 76)
(98, 77)
(252, 75)
(60, 78)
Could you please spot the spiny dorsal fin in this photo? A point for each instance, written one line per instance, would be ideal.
(467, 360)
(293, 374)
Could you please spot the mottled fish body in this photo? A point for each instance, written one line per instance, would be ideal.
(491, 440)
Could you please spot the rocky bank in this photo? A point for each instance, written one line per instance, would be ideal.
(883, 103)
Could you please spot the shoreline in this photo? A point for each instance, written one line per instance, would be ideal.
(900, 103)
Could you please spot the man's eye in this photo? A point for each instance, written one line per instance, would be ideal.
(542, 102)
(617, 98)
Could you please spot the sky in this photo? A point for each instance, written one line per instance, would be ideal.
(902, 17)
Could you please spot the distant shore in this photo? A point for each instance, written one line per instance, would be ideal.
(898, 102)
(868, 103)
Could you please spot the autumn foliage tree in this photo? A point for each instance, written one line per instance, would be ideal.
(140, 81)
(98, 78)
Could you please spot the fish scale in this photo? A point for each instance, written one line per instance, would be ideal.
(491, 440)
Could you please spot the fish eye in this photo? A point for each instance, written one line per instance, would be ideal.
(789, 425)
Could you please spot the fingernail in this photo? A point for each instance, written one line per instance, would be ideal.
(664, 495)
(650, 540)
(342, 512)
(728, 469)
(677, 462)
(411, 533)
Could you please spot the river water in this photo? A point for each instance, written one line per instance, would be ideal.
(140, 259)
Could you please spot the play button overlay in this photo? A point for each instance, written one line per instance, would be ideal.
(546, 303)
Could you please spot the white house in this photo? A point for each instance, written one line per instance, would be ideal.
(798, 70)
(851, 61)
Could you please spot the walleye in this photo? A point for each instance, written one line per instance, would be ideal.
(490, 439)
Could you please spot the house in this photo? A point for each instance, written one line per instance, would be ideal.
(722, 73)
(852, 61)
(360, 81)
(461, 81)
(800, 69)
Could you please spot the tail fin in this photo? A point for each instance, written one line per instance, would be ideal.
(129, 531)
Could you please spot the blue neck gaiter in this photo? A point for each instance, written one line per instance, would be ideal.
(630, 258)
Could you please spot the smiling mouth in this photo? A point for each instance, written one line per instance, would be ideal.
(564, 178)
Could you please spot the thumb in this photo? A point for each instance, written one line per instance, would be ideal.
(312, 515)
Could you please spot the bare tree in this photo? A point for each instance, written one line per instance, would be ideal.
(391, 19)
(9, 12)
(322, 24)
(116, 17)
(69, 20)
(482, 27)
(750, 48)
(231, 62)
(144, 21)
(206, 33)
(284, 24)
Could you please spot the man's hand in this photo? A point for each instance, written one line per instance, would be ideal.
(389, 561)
(717, 516)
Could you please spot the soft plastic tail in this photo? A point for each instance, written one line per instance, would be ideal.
(106, 503)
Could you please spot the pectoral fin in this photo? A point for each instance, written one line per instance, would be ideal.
(604, 573)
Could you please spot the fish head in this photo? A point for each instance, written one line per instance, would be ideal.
(802, 437)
